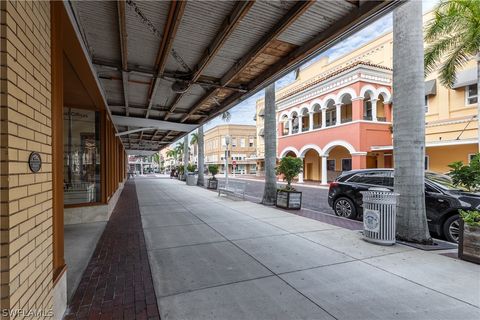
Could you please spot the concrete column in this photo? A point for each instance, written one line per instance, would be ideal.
(310, 120)
(141, 168)
(357, 109)
(359, 161)
(300, 123)
(374, 109)
(300, 176)
(388, 111)
(290, 125)
(324, 169)
(338, 107)
(324, 117)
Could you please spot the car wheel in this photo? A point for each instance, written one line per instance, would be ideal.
(344, 207)
(451, 228)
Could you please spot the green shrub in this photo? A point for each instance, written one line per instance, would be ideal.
(466, 175)
(470, 217)
(180, 170)
(289, 167)
(191, 167)
(213, 169)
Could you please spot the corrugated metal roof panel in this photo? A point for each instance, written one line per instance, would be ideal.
(113, 90)
(95, 16)
(259, 20)
(321, 15)
(200, 24)
(142, 42)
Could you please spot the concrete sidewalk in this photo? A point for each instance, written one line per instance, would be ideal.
(215, 258)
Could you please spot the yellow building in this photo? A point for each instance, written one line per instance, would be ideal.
(242, 148)
(450, 114)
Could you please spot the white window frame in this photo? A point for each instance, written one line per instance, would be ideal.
(470, 157)
(334, 164)
(351, 163)
(467, 97)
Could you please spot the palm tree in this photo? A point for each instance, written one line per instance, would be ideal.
(409, 122)
(226, 116)
(201, 156)
(185, 153)
(194, 142)
(270, 191)
(454, 33)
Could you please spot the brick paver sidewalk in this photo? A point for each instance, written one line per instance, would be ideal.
(117, 283)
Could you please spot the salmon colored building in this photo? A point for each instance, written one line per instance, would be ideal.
(337, 115)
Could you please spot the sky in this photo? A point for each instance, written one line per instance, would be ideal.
(244, 112)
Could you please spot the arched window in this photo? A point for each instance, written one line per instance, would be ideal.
(367, 107)
(317, 116)
(331, 114)
(305, 119)
(295, 122)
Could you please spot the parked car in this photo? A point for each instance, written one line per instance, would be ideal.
(442, 198)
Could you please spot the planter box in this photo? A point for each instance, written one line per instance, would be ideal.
(191, 179)
(212, 184)
(469, 243)
(289, 199)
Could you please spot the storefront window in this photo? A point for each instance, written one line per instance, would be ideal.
(81, 158)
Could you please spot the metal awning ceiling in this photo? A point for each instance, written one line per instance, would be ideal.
(186, 62)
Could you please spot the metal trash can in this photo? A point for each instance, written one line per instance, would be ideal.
(379, 215)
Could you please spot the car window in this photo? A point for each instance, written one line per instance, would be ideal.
(373, 177)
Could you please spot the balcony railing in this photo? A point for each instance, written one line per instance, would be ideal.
(304, 128)
(316, 126)
(368, 118)
(382, 119)
(345, 120)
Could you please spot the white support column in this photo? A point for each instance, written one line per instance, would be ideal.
(300, 123)
(374, 109)
(338, 109)
(324, 169)
(324, 117)
(310, 120)
(300, 175)
(290, 125)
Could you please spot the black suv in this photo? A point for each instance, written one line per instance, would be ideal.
(442, 198)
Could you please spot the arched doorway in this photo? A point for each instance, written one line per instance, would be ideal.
(284, 125)
(312, 165)
(339, 160)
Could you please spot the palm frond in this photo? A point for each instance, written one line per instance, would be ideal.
(226, 116)
(448, 72)
(435, 51)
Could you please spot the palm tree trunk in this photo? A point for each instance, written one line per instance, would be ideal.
(409, 122)
(270, 131)
(185, 155)
(201, 156)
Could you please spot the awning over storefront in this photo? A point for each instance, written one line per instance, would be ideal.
(465, 78)
(260, 133)
(431, 87)
(261, 113)
(186, 62)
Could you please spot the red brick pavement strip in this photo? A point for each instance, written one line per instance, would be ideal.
(117, 283)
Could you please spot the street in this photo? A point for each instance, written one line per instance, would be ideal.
(312, 198)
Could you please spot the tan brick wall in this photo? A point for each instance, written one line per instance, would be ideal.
(26, 197)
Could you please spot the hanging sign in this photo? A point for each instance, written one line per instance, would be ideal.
(35, 162)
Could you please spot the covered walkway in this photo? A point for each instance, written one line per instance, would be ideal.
(216, 258)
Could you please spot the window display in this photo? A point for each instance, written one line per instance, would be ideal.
(81, 156)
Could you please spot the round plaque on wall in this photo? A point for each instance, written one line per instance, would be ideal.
(35, 162)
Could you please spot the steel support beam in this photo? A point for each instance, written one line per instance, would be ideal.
(296, 11)
(175, 14)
